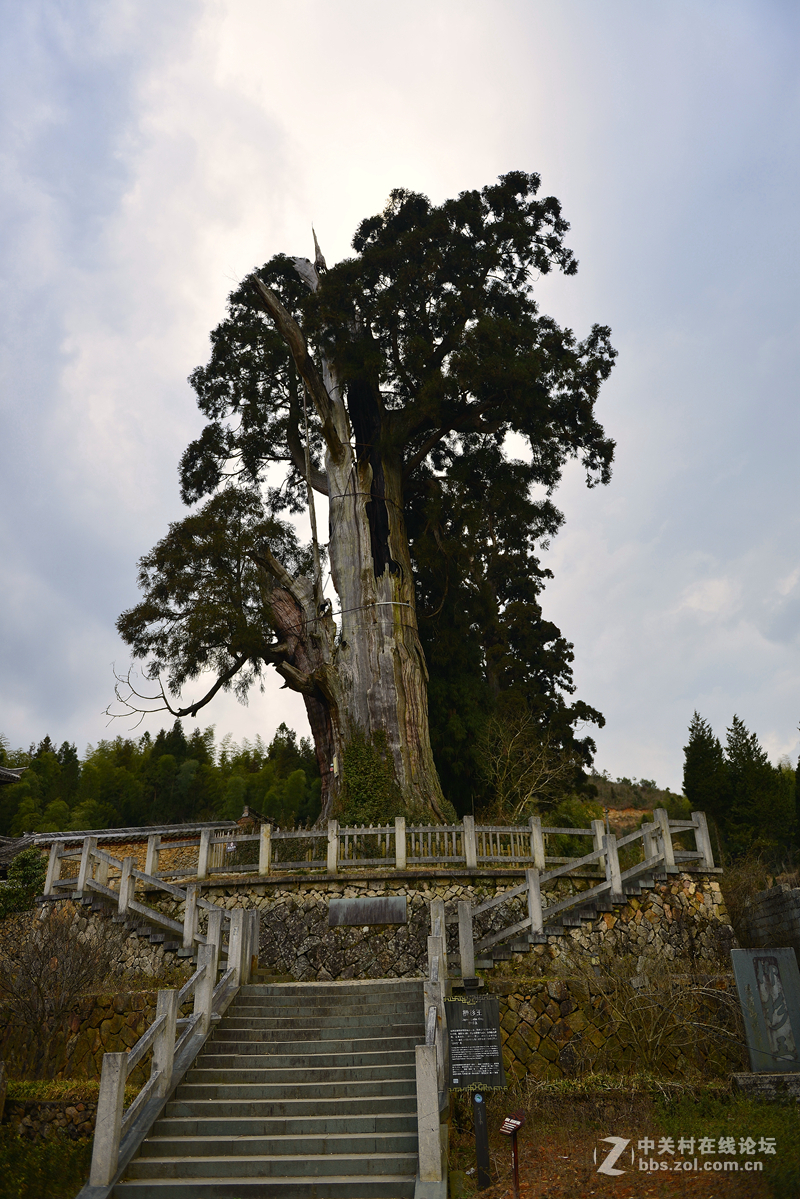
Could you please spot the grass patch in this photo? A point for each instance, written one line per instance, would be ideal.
(58, 1090)
(568, 1119)
(54, 1169)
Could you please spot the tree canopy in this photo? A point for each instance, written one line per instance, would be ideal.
(752, 803)
(418, 386)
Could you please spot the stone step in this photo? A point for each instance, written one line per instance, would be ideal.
(371, 1105)
(281, 1040)
(349, 1186)
(295, 1076)
(226, 1092)
(306, 1003)
(242, 1009)
(312, 1059)
(271, 1165)
(252, 1146)
(369, 986)
(208, 1125)
(263, 1026)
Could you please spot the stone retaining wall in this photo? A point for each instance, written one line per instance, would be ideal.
(98, 1024)
(771, 919)
(681, 918)
(557, 1027)
(38, 1120)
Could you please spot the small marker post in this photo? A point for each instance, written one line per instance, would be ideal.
(481, 1140)
(510, 1127)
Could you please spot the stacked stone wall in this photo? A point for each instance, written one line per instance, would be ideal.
(683, 918)
(38, 1120)
(771, 919)
(553, 1028)
(97, 1024)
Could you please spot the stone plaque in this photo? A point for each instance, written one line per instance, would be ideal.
(476, 1050)
(768, 983)
(368, 909)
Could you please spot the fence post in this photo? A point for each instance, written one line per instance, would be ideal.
(204, 991)
(333, 847)
(85, 871)
(703, 840)
(214, 931)
(400, 857)
(253, 940)
(190, 917)
(236, 945)
(203, 853)
(153, 853)
(661, 817)
(534, 901)
(470, 843)
(110, 1102)
(466, 945)
(430, 1151)
(649, 846)
(101, 871)
(613, 874)
(598, 832)
(125, 887)
(537, 842)
(265, 848)
(53, 867)
(164, 1044)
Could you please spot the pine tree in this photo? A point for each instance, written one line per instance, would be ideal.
(705, 774)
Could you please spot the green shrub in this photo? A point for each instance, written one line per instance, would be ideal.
(55, 1169)
(26, 876)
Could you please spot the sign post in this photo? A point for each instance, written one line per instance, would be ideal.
(510, 1127)
(481, 1140)
(476, 1062)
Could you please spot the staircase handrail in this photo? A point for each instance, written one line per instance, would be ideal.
(658, 853)
(95, 876)
(431, 1075)
(119, 1131)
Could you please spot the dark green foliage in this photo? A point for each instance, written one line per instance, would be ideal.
(474, 531)
(370, 793)
(55, 1169)
(751, 803)
(169, 780)
(705, 774)
(24, 881)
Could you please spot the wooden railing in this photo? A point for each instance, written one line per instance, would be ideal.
(174, 1042)
(102, 874)
(654, 841)
(394, 846)
(431, 1065)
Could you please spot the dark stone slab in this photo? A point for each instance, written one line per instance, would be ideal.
(368, 909)
(769, 1086)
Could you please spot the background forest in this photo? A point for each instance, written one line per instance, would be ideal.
(166, 780)
(752, 804)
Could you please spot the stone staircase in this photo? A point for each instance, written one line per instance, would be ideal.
(304, 1091)
(575, 918)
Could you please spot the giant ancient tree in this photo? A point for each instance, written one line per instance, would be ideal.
(389, 384)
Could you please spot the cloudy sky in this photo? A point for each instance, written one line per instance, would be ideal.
(153, 153)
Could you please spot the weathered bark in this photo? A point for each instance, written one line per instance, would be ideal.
(361, 669)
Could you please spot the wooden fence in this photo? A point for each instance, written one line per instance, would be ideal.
(394, 846)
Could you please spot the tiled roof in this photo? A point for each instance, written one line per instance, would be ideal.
(11, 774)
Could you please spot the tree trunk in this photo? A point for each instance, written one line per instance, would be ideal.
(361, 668)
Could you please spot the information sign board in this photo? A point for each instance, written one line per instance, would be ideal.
(476, 1049)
